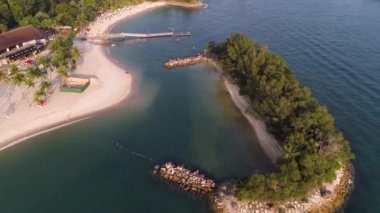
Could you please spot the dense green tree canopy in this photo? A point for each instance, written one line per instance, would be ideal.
(50, 13)
(60, 12)
(314, 148)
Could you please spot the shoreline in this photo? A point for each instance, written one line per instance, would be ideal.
(43, 131)
(106, 87)
(266, 140)
(227, 203)
(197, 5)
(223, 200)
(268, 143)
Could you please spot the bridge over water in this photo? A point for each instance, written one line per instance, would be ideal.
(122, 36)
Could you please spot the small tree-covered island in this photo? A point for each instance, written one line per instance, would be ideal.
(314, 150)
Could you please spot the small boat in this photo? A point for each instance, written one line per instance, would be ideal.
(205, 6)
(113, 45)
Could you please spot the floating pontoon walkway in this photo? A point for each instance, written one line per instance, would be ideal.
(121, 36)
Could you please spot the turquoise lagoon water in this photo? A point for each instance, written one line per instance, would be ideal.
(185, 116)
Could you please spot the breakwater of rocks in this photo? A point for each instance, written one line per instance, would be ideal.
(181, 62)
(191, 181)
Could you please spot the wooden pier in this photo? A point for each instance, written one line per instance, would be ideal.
(122, 36)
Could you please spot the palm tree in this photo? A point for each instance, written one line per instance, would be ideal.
(62, 72)
(49, 23)
(44, 86)
(16, 77)
(13, 69)
(3, 76)
(81, 20)
(38, 94)
(45, 63)
(75, 54)
(29, 83)
(34, 73)
(42, 90)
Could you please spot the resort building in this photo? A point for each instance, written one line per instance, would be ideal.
(21, 42)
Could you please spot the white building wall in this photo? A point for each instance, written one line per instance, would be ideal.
(30, 42)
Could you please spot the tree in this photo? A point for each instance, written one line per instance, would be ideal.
(6, 18)
(314, 148)
(3, 76)
(38, 95)
(49, 23)
(16, 77)
(3, 28)
(21, 8)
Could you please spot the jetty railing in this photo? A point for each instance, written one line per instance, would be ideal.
(118, 36)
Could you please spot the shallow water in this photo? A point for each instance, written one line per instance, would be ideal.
(184, 116)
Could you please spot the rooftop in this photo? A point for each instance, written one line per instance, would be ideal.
(20, 35)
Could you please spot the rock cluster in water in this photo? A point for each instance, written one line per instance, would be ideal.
(181, 62)
(189, 181)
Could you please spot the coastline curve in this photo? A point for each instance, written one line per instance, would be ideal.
(106, 92)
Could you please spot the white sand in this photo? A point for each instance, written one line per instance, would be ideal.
(107, 20)
(269, 144)
(110, 84)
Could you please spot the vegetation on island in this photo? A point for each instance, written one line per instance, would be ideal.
(314, 148)
(61, 59)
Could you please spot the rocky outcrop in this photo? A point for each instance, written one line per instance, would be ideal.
(187, 180)
(326, 199)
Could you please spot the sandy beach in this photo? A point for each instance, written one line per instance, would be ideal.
(270, 145)
(110, 84)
